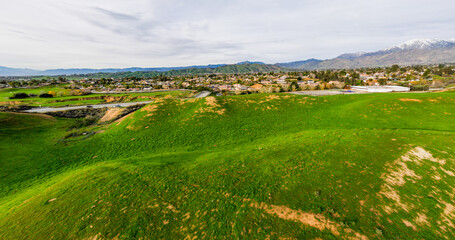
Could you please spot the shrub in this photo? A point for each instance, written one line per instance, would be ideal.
(83, 122)
(19, 96)
(420, 87)
(46, 95)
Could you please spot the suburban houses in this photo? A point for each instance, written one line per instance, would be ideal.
(414, 78)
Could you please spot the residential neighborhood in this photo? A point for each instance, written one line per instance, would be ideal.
(414, 78)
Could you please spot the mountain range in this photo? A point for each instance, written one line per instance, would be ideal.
(414, 52)
(5, 71)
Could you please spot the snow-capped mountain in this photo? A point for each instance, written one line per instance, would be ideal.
(427, 44)
(414, 52)
(351, 55)
(421, 44)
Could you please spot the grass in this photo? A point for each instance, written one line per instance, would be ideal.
(9, 92)
(234, 167)
(78, 100)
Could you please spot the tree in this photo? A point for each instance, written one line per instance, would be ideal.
(382, 81)
(426, 73)
(448, 71)
(394, 68)
(294, 86)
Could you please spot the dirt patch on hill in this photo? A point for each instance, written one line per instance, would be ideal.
(270, 98)
(211, 101)
(168, 97)
(151, 109)
(409, 224)
(11, 103)
(410, 100)
(400, 182)
(127, 113)
(317, 221)
(111, 114)
(449, 213)
(421, 220)
(192, 100)
(400, 174)
(211, 106)
(182, 102)
(110, 99)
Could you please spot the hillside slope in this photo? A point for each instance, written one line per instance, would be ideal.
(258, 166)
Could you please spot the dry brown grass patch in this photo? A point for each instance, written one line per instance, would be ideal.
(151, 109)
(421, 219)
(399, 173)
(317, 221)
(410, 100)
(409, 224)
(211, 101)
(212, 106)
(272, 97)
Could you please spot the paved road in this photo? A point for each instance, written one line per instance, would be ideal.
(202, 94)
(324, 92)
(150, 91)
(48, 109)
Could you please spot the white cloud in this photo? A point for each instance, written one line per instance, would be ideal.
(113, 33)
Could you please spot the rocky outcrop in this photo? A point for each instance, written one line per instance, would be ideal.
(80, 113)
(14, 108)
(97, 113)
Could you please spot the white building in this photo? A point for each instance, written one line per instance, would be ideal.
(380, 88)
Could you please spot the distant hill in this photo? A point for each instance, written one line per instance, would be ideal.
(246, 67)
(414, 52)
(298, 64)
(241, 67)
(5, 71)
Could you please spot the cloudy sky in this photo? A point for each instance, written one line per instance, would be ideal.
(152, 33)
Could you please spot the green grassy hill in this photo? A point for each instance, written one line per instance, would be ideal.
(376, 166)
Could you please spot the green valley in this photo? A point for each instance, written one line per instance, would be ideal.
(258, 166)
